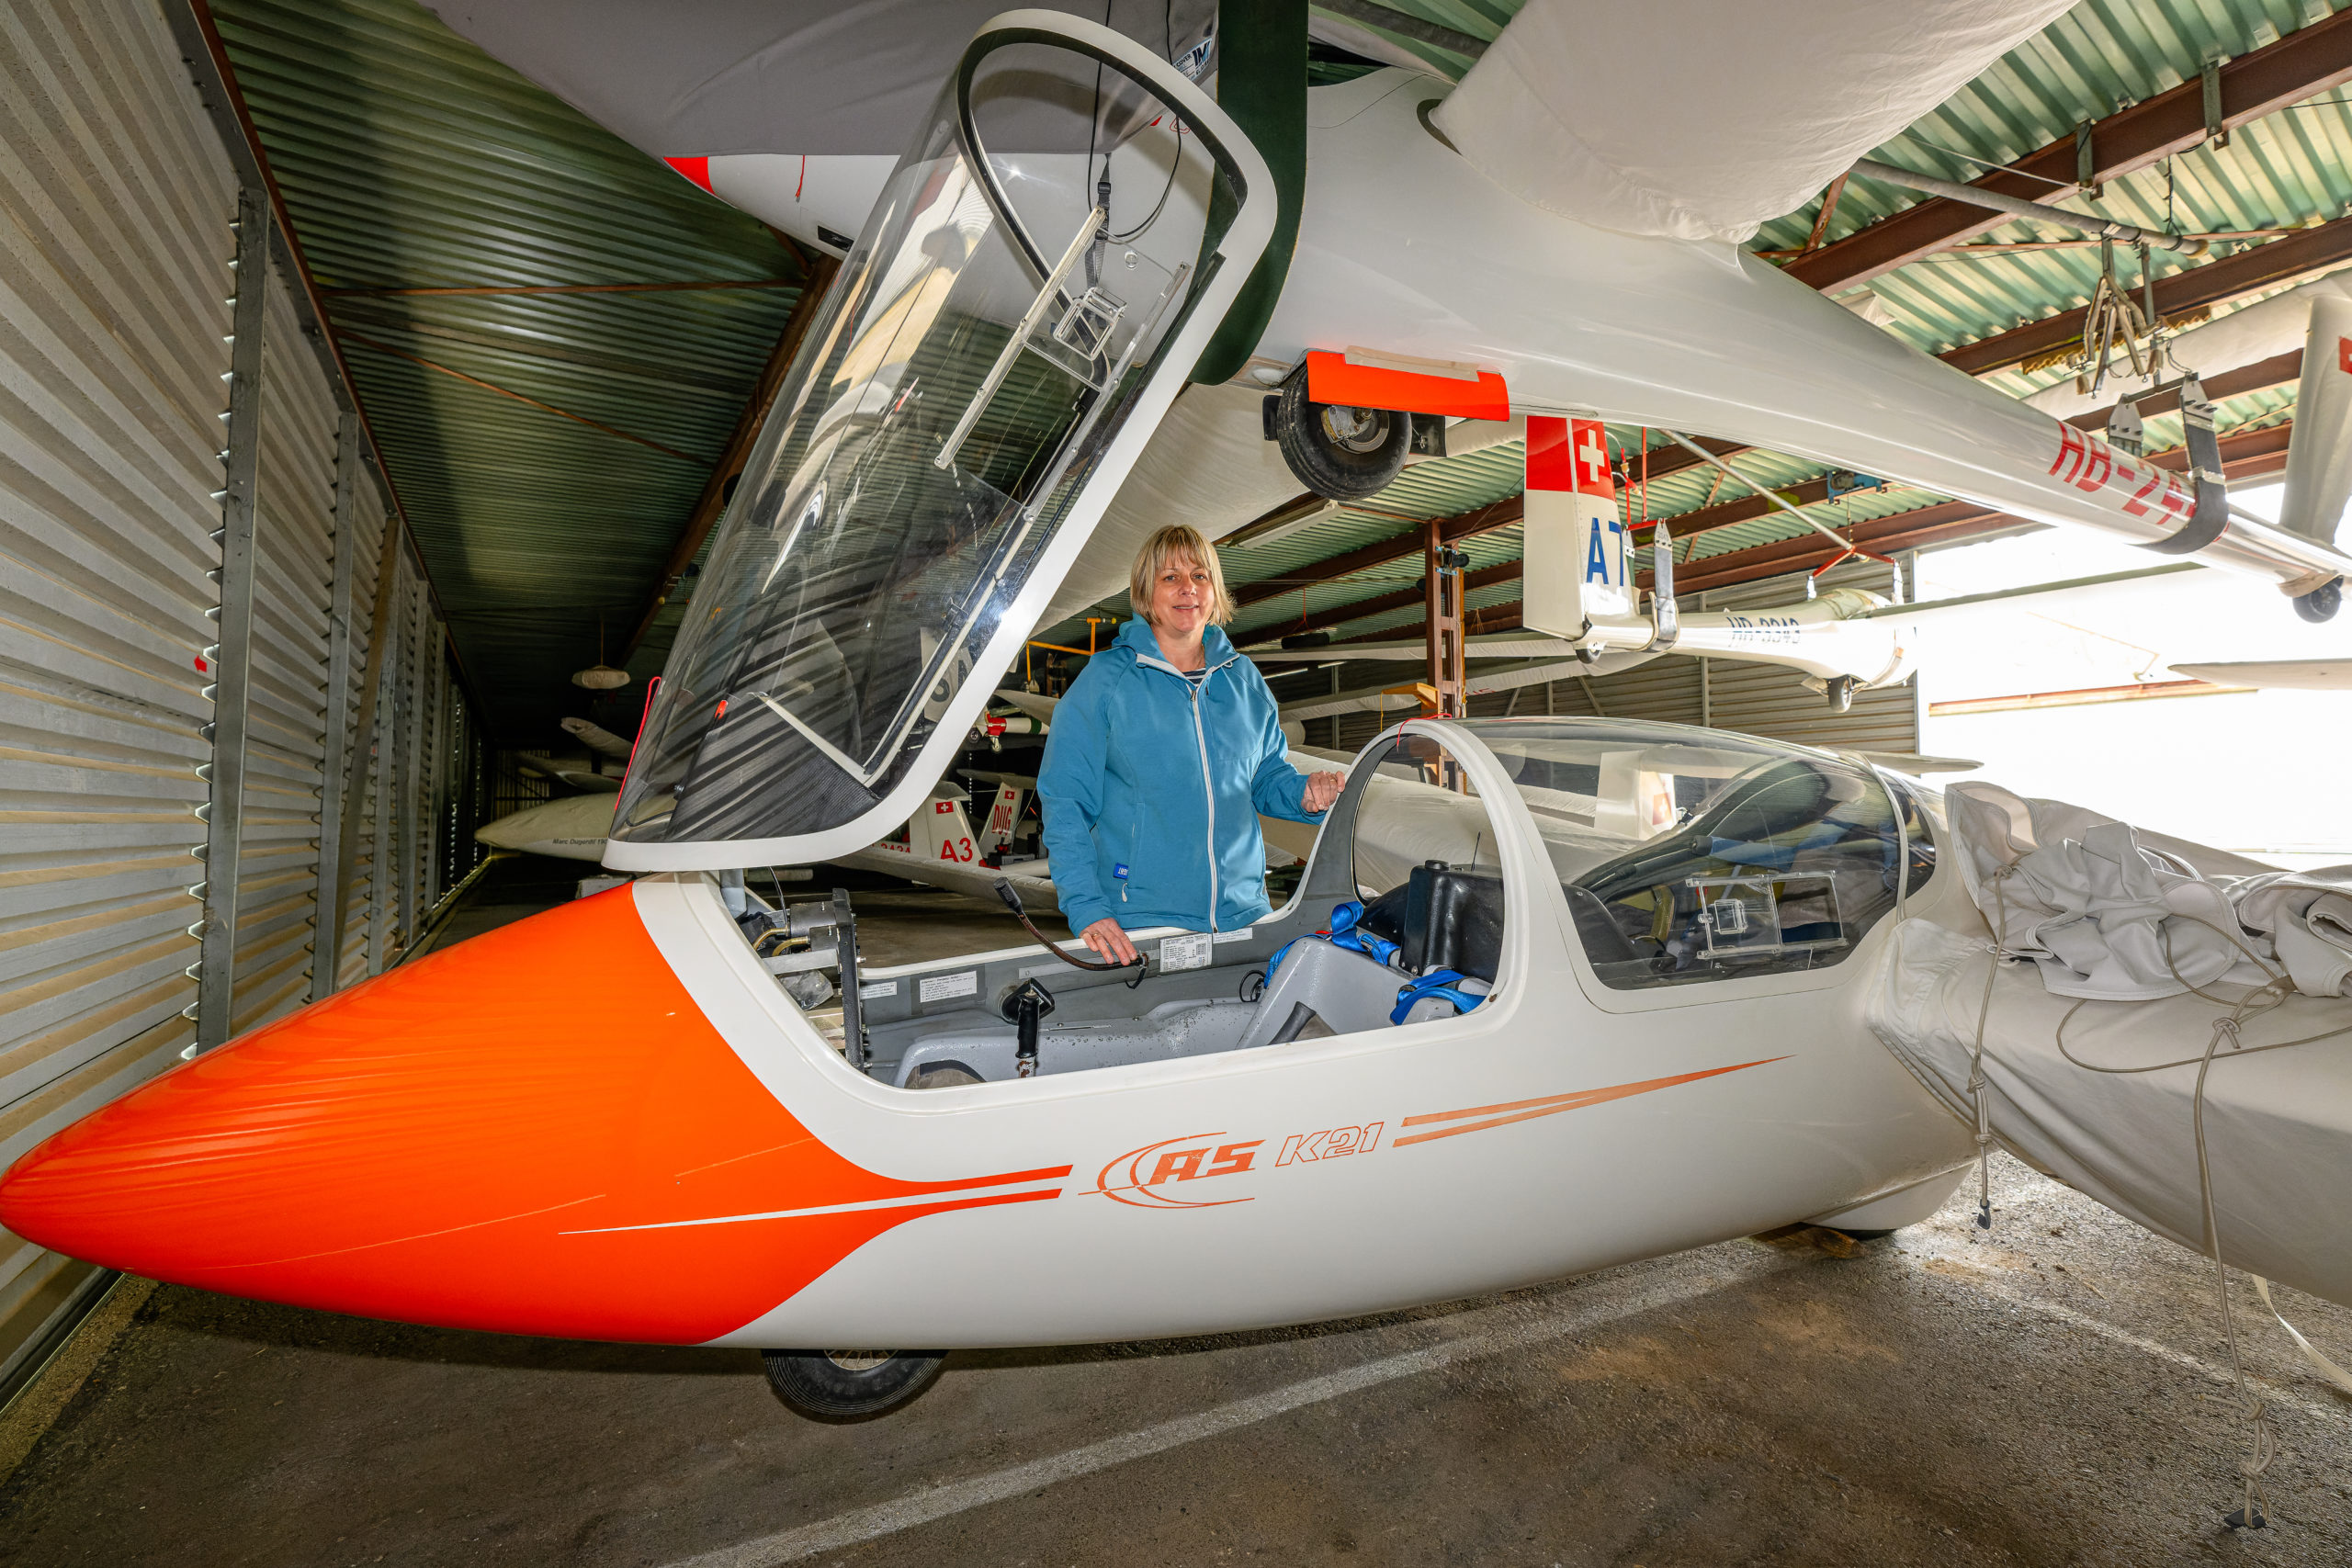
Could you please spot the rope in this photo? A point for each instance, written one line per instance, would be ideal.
(1976, 1084)
(2262, 1433)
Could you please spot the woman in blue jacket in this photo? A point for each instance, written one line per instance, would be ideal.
(1159, 761)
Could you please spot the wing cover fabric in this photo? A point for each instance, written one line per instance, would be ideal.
(2109, 913)
(2276, 1123)
(1699, 120)
(803, 76)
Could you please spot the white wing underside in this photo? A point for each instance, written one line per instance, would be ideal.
(1769, 102)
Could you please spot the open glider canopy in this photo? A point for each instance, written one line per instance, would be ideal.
(982, 376)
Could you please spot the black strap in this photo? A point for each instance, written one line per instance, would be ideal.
(2213, 514)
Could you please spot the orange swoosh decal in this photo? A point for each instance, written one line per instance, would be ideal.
(1552, 1105)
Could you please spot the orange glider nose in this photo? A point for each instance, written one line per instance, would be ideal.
(535, 1132)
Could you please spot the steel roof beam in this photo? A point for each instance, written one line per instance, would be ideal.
(2262, 376)
(2245, 454)
(1320, 620)
(1380, 552)
(2216, 282)
(2310, 60)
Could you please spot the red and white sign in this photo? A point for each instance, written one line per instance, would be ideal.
(1580, 553)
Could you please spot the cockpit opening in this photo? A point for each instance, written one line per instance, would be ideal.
(1685, 857)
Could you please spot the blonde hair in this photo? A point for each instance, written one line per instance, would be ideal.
(1177, 539)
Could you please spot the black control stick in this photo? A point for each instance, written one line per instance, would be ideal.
(1029, 1002)
(1012, 897)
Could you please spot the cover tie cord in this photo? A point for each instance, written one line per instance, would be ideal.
(2261, 1434)
(1977, 1087)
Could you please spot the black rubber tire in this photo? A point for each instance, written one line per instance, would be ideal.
(815, 1384)
(2319, 606)
(1329, 469)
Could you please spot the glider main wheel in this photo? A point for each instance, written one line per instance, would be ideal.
(1340, 452)
(843, 1385)
(2317, 606)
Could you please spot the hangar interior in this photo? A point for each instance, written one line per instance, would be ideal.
(370, 416)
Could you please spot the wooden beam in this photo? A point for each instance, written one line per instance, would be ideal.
(2278, 370)
(1381, 552)
(2245, 454)
(2216, 282)
(2308, 61)
(1380, 603)
(713, 500)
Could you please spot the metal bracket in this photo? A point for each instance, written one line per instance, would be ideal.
(2217, 130)
(223, 814)
(2213, 514)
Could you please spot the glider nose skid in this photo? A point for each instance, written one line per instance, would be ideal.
(535, 1132)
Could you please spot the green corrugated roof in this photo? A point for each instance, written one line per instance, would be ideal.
(410, 159)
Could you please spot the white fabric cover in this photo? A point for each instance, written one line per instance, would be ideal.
(2277, 1125)
(2094, 905)
(1700, 119)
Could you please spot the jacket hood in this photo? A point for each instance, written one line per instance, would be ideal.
(1135, 636)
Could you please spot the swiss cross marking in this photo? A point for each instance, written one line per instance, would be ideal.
(1592, 459)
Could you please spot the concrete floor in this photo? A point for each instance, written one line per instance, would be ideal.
(2052, 1394)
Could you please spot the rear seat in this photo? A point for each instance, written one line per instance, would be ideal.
(1347, 991)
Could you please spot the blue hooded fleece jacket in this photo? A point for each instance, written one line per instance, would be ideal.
(1152, 790)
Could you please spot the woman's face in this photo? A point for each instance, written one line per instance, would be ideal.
(1181, 598)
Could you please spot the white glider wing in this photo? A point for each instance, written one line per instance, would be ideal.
(1771, 102)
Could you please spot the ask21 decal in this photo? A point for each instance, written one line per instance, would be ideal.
(1163, 1175)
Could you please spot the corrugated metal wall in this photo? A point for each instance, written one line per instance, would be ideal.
(286, 734)
(118, 199)
(358, 755)
(115, 199)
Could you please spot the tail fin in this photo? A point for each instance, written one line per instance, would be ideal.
(939, 829)
(1579, 564)
(2319, 454)
(1004, 816)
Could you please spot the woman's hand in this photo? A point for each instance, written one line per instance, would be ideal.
(1322, 789)
(1108, 941)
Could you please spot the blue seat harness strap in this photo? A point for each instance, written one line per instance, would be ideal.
(1343, 932)
(1442, 984)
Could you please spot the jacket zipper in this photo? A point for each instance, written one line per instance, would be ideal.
(1208, 783)
(1208, 792)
